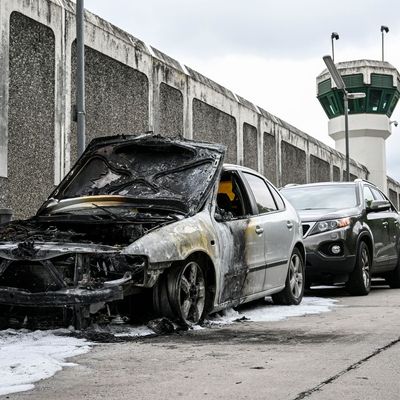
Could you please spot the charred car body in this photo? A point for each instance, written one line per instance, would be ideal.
(146, 215)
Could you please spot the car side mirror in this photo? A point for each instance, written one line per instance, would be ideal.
(379, 205)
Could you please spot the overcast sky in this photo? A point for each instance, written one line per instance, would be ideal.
(267, 51)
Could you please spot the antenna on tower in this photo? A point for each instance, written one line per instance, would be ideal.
(334, 36)
(384, 29)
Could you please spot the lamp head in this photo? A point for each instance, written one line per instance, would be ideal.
(337, 78)
(335, 36)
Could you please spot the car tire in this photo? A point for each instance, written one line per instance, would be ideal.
(393, 277)
(359, 283)
(293, 292)
(181, 293)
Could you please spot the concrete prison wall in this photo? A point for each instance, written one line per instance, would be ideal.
(131, 87)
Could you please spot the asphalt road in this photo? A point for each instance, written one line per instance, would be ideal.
(352, 353)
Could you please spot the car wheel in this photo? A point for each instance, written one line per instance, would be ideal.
(393, 277)
(181, 294)
(293, 292)
(359, 283)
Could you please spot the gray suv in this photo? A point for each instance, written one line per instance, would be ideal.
(351, 232)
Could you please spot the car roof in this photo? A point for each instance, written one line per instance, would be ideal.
(241, 167)
(293, 186)
(235, 167)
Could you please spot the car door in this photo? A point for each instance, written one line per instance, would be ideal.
(277, 230)
(390, 223)
(243, 247)
(276, 276)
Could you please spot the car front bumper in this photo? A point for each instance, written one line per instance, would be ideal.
(59, 298)
(324, 267)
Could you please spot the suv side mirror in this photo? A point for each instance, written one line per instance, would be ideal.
(379, 205)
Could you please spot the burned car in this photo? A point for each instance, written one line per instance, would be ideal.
(146, 219)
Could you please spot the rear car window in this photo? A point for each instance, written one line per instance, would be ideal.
(265, 201)
(278, 199)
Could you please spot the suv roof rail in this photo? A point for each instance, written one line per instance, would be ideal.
(364, 180)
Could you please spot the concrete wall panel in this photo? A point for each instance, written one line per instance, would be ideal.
(293, 164)
(116, 97)
(270, 157)
(31, 114)
(250, 147)
(319, 170)
(171, 111)
(336, 174)
(213, 125)
(4, 201)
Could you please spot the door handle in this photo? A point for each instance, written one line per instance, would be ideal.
(289, 224)
(259, 230)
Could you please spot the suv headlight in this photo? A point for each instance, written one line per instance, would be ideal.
(330, 225)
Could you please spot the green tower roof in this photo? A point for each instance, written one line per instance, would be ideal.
(379, 80)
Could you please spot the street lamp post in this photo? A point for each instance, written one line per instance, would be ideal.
(334, 36)
(80, 78)
(346, 97)
(384, 29)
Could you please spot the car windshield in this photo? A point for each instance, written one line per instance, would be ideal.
(321, 196)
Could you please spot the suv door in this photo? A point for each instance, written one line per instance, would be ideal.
(391, 220)
(278, 230)
(378, 224)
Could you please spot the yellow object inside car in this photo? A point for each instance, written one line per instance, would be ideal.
(227, 188)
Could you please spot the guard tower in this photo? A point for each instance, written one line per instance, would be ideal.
(369, 117)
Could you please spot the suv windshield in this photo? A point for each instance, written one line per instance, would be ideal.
(321, 196)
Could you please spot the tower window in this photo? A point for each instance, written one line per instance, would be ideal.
(374, 100)
(386, 101)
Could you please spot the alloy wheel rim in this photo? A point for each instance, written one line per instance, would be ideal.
(365, 268)
(296, 276)
(192, 293)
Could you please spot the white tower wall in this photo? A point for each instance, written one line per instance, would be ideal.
(367, 135)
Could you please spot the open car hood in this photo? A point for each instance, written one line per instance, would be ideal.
(147, 170)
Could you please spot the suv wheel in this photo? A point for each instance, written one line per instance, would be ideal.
(359, 283)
